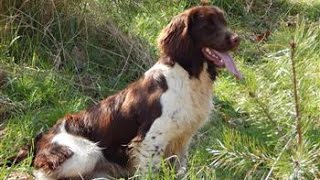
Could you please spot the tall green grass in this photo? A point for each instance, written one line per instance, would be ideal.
(263, 144)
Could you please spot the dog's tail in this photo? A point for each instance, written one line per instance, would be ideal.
(23, 153)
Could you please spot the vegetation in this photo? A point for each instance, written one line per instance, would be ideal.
(58, 57)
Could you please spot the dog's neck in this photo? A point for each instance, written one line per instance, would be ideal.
(192, 62)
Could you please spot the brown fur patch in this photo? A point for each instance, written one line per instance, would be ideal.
(51, 156)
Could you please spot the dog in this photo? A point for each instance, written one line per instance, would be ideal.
(153, 118)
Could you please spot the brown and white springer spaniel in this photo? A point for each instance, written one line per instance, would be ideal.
(154, 117)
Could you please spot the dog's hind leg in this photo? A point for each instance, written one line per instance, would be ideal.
(66, 156)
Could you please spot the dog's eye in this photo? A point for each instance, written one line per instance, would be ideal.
(205, 22)
(201, 22)
(213, 21)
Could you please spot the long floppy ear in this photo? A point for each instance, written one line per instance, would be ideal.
(174, 41)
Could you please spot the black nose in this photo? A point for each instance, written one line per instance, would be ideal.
(235, 40)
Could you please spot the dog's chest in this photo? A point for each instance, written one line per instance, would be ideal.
(185, 106)
(187, 102)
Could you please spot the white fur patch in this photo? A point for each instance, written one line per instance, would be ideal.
(187, 103)
(86, 154)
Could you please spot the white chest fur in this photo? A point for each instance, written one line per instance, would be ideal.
(188, 101)
(186, 105)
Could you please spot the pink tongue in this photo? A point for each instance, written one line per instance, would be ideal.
(229, 63)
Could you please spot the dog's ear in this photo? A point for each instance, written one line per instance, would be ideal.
(174, 40)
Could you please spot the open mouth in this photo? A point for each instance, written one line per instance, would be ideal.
(221, 60)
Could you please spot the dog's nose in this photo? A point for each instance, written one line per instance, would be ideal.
(235, 40)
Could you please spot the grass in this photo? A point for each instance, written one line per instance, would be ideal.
(67, 57)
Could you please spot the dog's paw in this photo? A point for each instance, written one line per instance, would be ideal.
(182, 171)
(53, 156)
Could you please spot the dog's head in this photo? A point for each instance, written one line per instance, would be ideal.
(198, 35)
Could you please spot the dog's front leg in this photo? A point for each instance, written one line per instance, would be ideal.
(180, 148)
(182, 164)
(149, 154)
